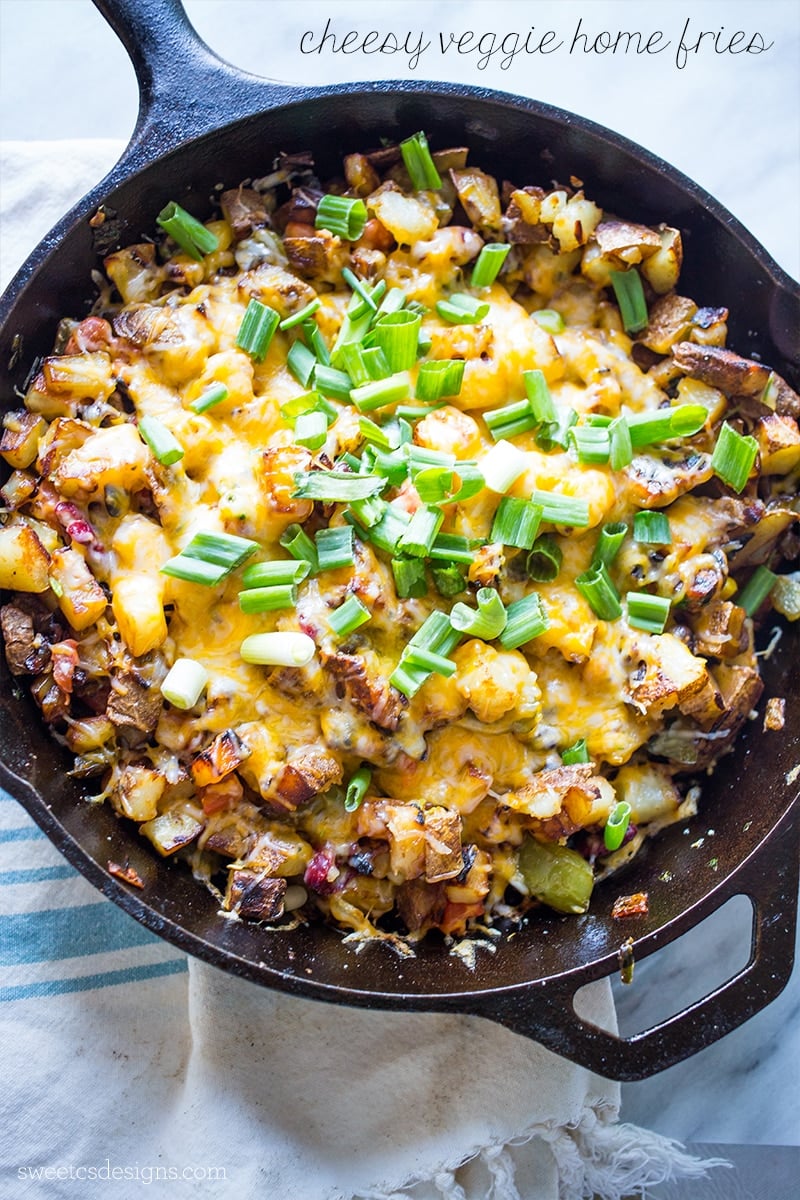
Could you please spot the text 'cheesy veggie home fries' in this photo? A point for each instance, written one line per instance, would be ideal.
(390, 548)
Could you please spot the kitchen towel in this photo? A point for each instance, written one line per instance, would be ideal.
(125, 1062)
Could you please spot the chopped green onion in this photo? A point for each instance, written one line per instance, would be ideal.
(313, 335)
(436, 663)
(348, 617)
(268, 599)
(419, 163)
(209, 557)
(364, 365)
(733, 457)
(375, 435)
(215, 393)
(424, 343)
(434, 484)
(516, 523)
(190, 234)
(597, 588)
(360, 289)
(599, 419)
(184, 683)
(409, 577)
(448, 581)
(561, 510)
(438, 379)
(393, 467)
(268, 574)
(591, 443)
(311, 430)
(302, 363)
(539, 398)
(164, 445)
(435, 634)
(420, 458)
(366, 300)
(302, 315)
(342, 216)
(620, 444)
(510, 420)
(381, 393)
(393, 301)
(352, 331)
(335, 548)
(461, 309)
(488, 264)
(295, 539)
(617, 826)
(756, 590)
(306, 403)
(283, 649)
(629, 292)
(331, 382)
(368, 512)
(526, 619)
(555, 434)
(682, 420)
(396, 335)
(357, 788)
(257, 329)
(452, 547)
(502, 466)
(550, 320)
(576, 753)
(416, 412)
(472, 481)
(336, 486)
(421, 532)
(652, 528)
(647, 612)
(612, 535)
(544, 561)
(487, 622)
(386, 533)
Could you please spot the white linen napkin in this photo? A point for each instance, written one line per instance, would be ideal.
(124, 1061)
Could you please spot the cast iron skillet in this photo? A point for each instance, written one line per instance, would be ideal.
(202, 122)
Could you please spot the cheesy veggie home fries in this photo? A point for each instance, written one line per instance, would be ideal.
(391, 550)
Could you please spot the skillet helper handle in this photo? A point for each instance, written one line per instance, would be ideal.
(185, 89)
(549, 1016)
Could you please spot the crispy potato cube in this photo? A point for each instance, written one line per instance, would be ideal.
(310, 772)
(20, 442)
(779, 442)
(405, 824)
(135, 272)
(668, 674)
(139, 613)
(80, 597)
(254, 896)
(479, 197)
(409, 219)
(171, 832)
(80, 376)
(137, 795)
(24, 562)
(719, 630)
(444, 857)
(115, 455)
(670, 320)
(223, 755)
(661, 270)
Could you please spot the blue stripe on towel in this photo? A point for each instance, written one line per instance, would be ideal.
(88, 983)
(56, 933)
(37, 874)
(27, 833)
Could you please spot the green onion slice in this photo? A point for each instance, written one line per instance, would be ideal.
(561, 510)
(335, 548)
(416, 656)
(756, 590)
(461, 309)
(597, 588)
(526, 619)
(165, 447)
(268, 574)
(302, 363)
(419, 163)
(302, 315)
(452, 547)
(440, 378)
(190, 234)
(550, 320)
(617, 826)
(257, 330)
(502, 466)
(435, 634)
(184, 683)
(209, 557)
(651, 528)
(296, 541)
(629, 292)
(396, 335)
(215, 393)
(409, 577)
(488, 264)
(382, 392)
(647, 612)
(733, 457)
(516, 522)
(342, 216)
(448, 581)
(423, 527)
(357, 788)
(576, 753)
(620, 444)
(311, 430)
(282, 649)
(544, 561)
(336, 486)
(539, 398)
(348, 617)
(592, 443)
(487, 621)
(682, 420)
(268, 599)
(612, 535)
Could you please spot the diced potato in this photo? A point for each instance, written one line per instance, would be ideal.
(24, 562)
(479, 197)
(575, 222)
(139, 790)
(661, 270)
(668, 674)
(80, 597)
(223, 755)
(444, 857)
(135, 273)
(139, 613)
(171, 832)
(779, 442)
(80, 376)
(406, 827)
(409, 219)
(786, 596)
(692, 391)
(115, 455)
(669, 321)
(20, 442)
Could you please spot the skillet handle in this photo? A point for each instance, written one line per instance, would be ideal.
(546, 1016)
(185, 89)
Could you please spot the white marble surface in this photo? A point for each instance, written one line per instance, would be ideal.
(731, 123)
